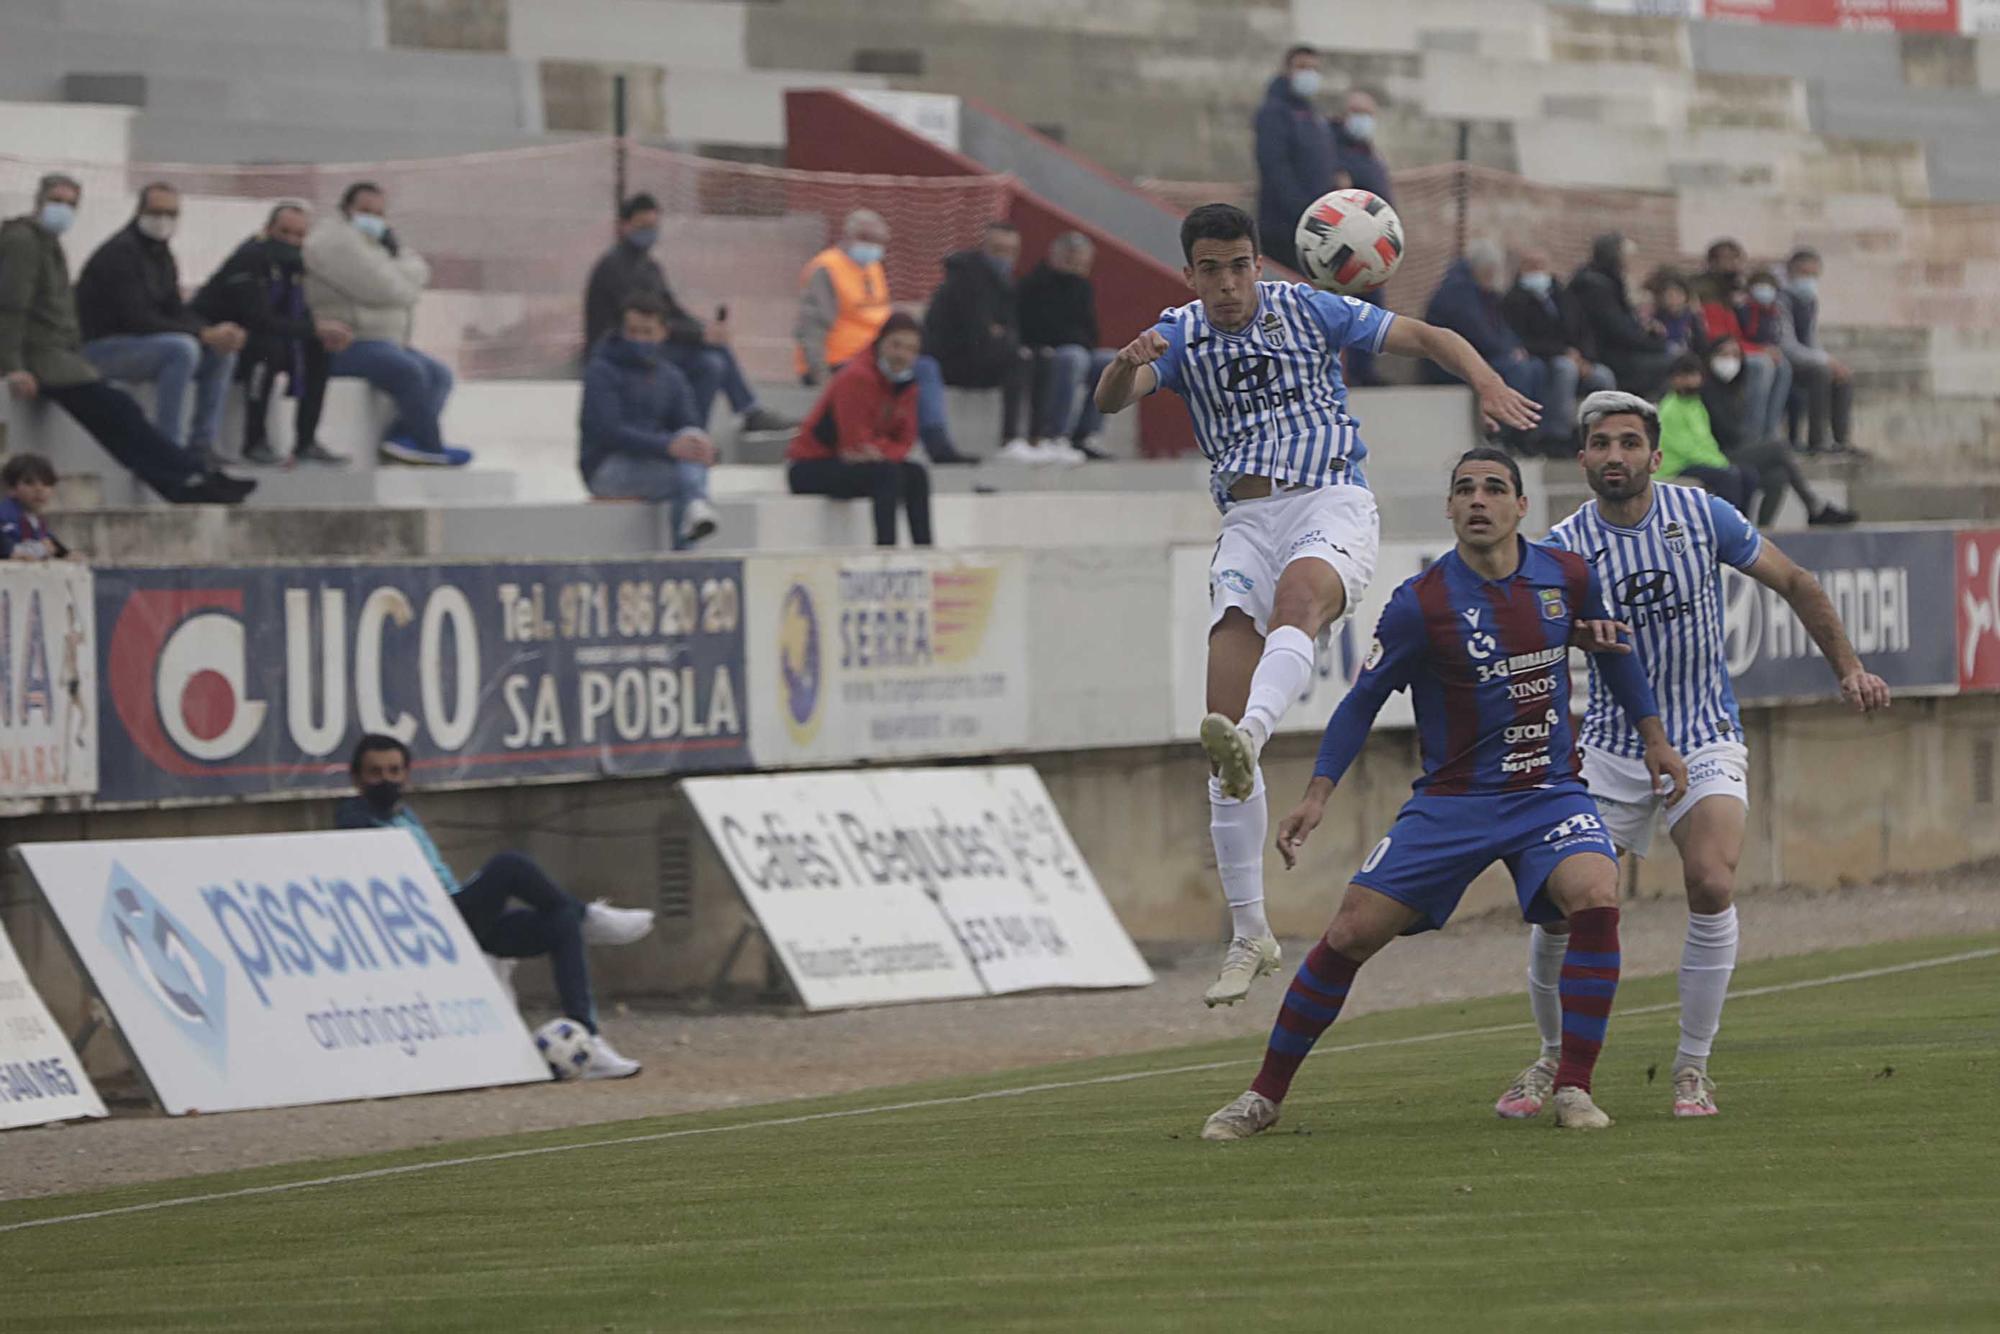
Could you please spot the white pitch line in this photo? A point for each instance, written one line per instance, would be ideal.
(660, 1136)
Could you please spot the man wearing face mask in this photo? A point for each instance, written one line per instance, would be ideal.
(1545, 317)
(1357, 165)
(359, 273)
(41, 356)
(700, 350)
(973, 329)
(1822, 380)
(1296, 158)
(261, 286)
(855, 443)
(1772, 460)
(1638, 356)
(641, 437)
(137, 330)
(552, 923)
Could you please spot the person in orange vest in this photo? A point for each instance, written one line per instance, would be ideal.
(843, 304)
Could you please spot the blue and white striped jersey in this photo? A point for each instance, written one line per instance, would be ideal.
(1268, 400)
(1664, 579)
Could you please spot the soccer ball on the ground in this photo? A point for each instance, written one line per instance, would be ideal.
(1349, 242)
(565, 1045)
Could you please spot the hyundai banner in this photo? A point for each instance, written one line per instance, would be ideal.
(48, 680)
(915, 884)
(277, 970)
(223, 682)
(41, 1080)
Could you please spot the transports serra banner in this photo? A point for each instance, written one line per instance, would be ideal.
(235, 681)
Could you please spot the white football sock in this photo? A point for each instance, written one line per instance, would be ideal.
(1282, 675)
(1238, 829)
(1707, 960)
(1545, 967)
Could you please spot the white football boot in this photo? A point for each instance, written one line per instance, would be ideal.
(1233, 753)
(1251, 1114)
(1575, 1111)
(1245, 961)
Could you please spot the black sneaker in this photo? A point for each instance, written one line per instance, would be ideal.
(1087, 446)
(1832, 516)
(761, 420)
(312, 451)
(944, 456)
(260, 453)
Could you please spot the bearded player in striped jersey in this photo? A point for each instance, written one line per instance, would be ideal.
(1659, 549)
(1258, 364)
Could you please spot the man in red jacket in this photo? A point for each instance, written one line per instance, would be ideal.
(1767, 376)
(856, 441)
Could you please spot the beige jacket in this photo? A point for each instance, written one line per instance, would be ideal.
(358, 282)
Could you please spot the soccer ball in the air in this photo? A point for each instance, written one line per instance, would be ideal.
(1349, 242)
(565, 1045)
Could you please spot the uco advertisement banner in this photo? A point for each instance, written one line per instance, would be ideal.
(40, 1078)
(916, 884)
(275, 970)
(886, 656)
(48, 680)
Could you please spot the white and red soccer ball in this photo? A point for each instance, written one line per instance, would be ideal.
(1349, 242)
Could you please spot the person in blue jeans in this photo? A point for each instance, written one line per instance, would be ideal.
(1059, 321)
(137, 329)
(551, 923)
(640, 437)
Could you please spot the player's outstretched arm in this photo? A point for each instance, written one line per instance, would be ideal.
(1130, 376)
(1796, 585)
(1500, 405)
(1296, 828)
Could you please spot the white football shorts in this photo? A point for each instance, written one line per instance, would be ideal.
(1628, 805)
(1335, 524)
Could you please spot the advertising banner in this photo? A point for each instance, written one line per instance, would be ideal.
(41, 1080)
(915, 884)
(48, 680)
(283, 969)
(1892, 15)
(222, 682)
(1976, 599)
(889, 655)
(1893, 595)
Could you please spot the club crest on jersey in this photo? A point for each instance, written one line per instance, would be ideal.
(1553, 606)
(1676, 536)
(1274, 329)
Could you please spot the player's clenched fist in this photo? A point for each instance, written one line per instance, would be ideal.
(1144, 350)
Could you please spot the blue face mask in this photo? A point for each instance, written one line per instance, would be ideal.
(642, 238)
(371, 225)
(864, 253)
(1538, 283)
(1806, 286)
(904, 376)
(55, 217)
(1763, 293)
(1360, 126)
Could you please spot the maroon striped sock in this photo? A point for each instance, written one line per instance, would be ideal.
(1589, 983)
(1312, 1002)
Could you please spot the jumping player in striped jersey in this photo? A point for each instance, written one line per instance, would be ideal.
(1659, 550)
(1258, 364)
(1481, 639)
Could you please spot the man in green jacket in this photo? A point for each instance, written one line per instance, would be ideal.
(1687, 440)
(41, 356)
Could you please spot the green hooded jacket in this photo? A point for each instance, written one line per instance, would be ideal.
(38, 330)
(1686, 437)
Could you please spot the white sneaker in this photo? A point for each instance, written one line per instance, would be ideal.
(606, 925)
(1530, 1089)
(698, 521)
(1062, 453)
(1245, 961)
(606, 1063)
(1575, 1111)
(1694, 1093)
(1251, 1114)
(1021, 450)
(1233, 754)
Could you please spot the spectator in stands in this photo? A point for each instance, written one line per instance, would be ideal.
(1771, 460)
(1674, 316)
(1820, 379)
(30, 483)
(1638, 356)
(973, 329)
(700, 349)
(1296, 157)
(1059, 324)
(138, 330)
(856, 441)
(1359, 166)
(845, 299)
(261, 287)
(1545, 317)
(1767, 376)
(1688, 447)
(641, 437)
(551, 923)
(1468, 303)
(41, 356)
(359, 274)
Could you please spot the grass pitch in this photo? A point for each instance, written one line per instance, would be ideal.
(1852, 1183)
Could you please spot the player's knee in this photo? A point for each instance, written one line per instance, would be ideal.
(1710, 889)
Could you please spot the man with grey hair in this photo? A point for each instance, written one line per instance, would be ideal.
(843, 301)
(1659, 550)
(1059, 324)
(1467, 302)
(41, 355)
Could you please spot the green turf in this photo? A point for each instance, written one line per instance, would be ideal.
(1831, 1195)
